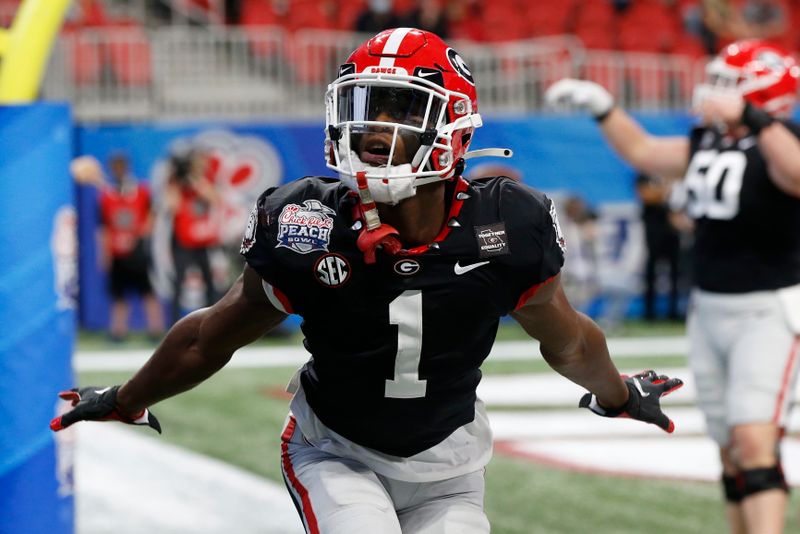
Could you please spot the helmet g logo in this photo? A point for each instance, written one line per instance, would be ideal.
(460, 65)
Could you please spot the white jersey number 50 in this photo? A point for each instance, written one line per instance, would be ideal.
(714, 181)
(406, 312)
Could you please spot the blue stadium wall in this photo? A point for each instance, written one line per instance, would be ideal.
(551, 153)
(38, 286)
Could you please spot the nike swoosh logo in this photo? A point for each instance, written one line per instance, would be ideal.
(459, 270)
(426, 74)
(639, 387)
(101, 391)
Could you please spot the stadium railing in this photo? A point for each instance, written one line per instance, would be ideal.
(263, 73)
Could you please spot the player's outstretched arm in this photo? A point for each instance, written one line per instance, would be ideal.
(196, 347)
(574, 346)
(655, 155)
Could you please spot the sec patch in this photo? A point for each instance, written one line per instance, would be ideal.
(332, 270)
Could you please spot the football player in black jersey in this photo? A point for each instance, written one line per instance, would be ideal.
(401, 270)
(741, 168)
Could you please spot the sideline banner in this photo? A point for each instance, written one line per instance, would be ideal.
(38, 286)
(561, 155)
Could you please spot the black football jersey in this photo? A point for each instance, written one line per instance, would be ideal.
(747, 230)
(397, 345)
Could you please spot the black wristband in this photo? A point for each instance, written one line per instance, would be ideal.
(756, 119)
(604, 115)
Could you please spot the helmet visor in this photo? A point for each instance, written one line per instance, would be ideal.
(417, 108)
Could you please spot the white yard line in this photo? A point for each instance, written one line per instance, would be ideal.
(130, 484)
(257, 357)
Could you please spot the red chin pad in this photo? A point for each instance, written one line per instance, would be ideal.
(385, 237)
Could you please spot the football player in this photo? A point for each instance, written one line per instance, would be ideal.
(741, 168)
(401, 270)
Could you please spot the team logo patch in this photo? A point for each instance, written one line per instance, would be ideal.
(250, 233)
(406, 267)
(305, 228)
(332, 270)
(562, 243)
(492, 239)
(460, 65)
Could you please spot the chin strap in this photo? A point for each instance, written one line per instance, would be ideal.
(483, 152)
(374, 234)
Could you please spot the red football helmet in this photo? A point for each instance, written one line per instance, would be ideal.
(763, 74)
(401, 113)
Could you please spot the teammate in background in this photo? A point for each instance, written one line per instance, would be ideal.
(401, 270)
(663, 242)
(742, 172)
(126, 222)
(191, 198)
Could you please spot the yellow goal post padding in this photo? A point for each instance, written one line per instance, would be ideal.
(25, 47)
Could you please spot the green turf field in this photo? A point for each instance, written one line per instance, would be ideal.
(236, 416)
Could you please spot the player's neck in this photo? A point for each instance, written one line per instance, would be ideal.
(420, 218)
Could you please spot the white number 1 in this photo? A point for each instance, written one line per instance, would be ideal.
(406, 312)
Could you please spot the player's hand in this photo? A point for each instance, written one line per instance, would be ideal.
(644, 400)
(720, 109)
(581, 94)
(86, 170)
(99, 404)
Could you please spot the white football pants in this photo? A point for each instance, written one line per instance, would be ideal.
(336, 495)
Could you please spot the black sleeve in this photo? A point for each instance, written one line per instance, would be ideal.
(537, 243)
(258, 244)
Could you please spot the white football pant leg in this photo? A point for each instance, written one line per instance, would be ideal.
(334, 495)
(453, 506)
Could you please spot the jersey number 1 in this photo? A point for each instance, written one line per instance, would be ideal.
(406, 312)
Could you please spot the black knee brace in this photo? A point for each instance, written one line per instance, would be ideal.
(752, 481)
(732, 492)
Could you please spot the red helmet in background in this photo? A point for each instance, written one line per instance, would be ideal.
(415, 90)
(763, 74)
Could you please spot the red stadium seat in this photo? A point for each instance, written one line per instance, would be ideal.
(648, 27)
(549, 18)
(87, 59)
(503, 22)
(129, 53)
(254, 15)
(597, 37)
(688, 45)
(312, 14)
(259, 13)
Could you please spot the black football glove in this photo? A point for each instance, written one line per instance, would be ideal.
(644, 401)
(99, 404)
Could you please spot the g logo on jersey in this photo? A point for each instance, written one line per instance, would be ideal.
(460, 65)
(332, 270)
(406, 267)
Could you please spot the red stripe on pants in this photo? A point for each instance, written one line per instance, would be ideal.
(787, 375)
(308, 511)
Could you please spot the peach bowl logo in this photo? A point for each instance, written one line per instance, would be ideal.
(305, 228)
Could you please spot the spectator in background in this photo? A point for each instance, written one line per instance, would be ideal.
(580, 261)
(464, 20)
(725, 21)
(191, 198)
(126, 222)
(378, 16)
(429, 15)
(764, 19)
(662, 240)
